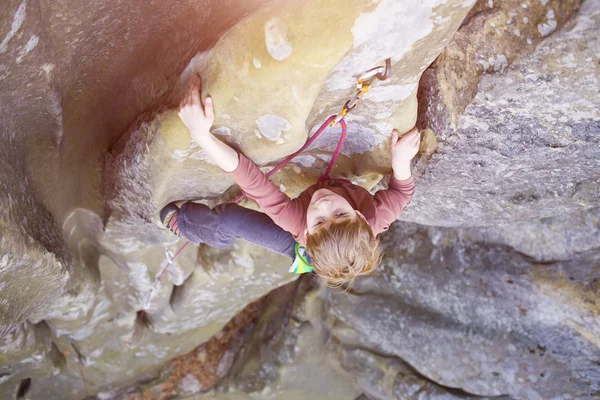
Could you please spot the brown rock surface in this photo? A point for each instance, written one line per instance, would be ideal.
(94, 149)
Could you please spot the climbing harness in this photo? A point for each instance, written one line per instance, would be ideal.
(302, 261)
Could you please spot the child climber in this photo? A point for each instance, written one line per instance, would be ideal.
(337, 221)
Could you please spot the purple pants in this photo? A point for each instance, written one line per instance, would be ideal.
(220, 226)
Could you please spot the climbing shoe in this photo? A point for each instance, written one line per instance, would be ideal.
(168, 217)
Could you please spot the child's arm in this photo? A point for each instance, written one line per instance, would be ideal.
(198, 118)
(401, 187)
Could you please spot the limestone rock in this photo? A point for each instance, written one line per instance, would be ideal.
(529, 144)
(288, 355)
(34, 262)
(468, 311)
(388, 378)
(94, 149)
(74, 76)
(493, 35)
(323, 77)
(27, 352)
(65, 102)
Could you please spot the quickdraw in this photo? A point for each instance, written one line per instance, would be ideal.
(362, 86)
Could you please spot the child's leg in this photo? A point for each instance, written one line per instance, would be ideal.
(220, 226)
(200, 224)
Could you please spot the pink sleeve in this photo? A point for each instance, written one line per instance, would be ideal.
(389, 203)
(285, 212)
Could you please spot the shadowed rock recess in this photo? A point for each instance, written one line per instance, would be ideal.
(490, 286)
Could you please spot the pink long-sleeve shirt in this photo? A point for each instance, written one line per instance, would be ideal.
(380, 209)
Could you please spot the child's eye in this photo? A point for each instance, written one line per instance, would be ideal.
(341, 214)
(319, 222)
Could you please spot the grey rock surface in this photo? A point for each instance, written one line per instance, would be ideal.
(509, 310)
(453, 314)
(95, 149)
(529, 144)
(467, 310)
(389, 378)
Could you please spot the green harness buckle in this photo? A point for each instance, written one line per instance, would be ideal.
(301, 264)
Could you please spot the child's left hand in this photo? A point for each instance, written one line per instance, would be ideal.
(403, 150)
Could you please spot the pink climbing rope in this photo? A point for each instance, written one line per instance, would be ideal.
(337, 151)
(310, 141)
(282, 164)
(156, 281)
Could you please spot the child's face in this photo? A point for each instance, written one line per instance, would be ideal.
(327, 206)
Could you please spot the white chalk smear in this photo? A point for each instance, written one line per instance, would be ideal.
(17, 21)
(202, 156)
(391, 92)
(548, 27)
(30, 45)
(271, 126)
(222, 130)
(276, 39)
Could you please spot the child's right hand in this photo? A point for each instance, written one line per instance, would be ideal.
(196, 116)
(403, 150)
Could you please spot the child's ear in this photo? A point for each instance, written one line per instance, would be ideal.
(360, 215)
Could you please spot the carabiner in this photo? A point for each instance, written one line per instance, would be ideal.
(381, 73)
(340, 116)
(362, 87)
(388, 68)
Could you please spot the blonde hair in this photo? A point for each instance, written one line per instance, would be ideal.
(344, 249)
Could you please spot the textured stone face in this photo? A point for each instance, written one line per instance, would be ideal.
(74, 76)
(493, 35)
(468, 311)
(507, 311)
(95, 150)
(452, 314)
(528, 145)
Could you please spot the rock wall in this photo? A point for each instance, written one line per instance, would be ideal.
(507, 311)
(74, 77)
(466, 313)
(526, 146)
(95, 149)
(92, 158)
